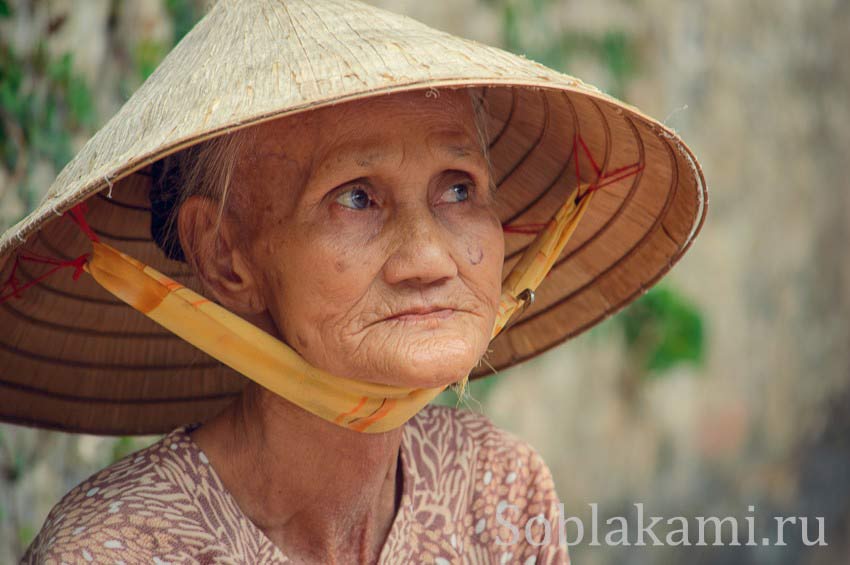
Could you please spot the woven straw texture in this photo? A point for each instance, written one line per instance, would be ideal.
(72, 357)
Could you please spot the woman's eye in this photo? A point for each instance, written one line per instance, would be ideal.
(355, 198)
(456, 193)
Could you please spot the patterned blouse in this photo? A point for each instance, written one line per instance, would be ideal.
(471, 494)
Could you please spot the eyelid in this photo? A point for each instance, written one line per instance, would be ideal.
(455, 177)
(350, 185)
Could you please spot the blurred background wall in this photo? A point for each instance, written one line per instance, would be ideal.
(724, 388)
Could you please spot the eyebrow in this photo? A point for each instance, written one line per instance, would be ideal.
(459, 150)
(366, 155)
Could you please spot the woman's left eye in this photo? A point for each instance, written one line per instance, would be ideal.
(355, 198)
(456, 193)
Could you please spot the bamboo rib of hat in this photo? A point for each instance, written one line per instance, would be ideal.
(75, 358)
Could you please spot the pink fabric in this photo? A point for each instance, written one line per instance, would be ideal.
(166, 504)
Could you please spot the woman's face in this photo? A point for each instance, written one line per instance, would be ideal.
(371, 237)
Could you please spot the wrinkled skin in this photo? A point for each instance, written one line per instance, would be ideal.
(344, 218)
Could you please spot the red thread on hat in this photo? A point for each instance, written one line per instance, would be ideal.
(601, 181)
(11, 287)
(524, 228)
(78, 216)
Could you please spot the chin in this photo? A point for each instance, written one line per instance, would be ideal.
(413, 355)
(437, 364)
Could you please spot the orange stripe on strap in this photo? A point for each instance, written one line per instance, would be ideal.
(171, 285)
(339, 419)
(382, 411)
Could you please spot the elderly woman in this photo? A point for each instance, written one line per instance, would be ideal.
(363, 204)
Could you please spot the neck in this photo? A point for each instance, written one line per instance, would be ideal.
(315, 489)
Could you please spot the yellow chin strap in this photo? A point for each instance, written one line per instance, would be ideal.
(245, 348)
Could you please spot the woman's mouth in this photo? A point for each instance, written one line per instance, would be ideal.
(422, 314)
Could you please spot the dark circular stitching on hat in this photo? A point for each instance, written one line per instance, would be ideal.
(69, 295)
(507, 123)
(549, 187)
(124, 238)
(621, 208)
(84, 331)
(51, 247)
(534, 145)
(118, 203)
(93, 430)
(538, 198)
(574, 155)
(104, 366)
(27, 389)
(52, 425)
(623, 203)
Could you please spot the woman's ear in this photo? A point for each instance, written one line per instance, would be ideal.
(209, 241)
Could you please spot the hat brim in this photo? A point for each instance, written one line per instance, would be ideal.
(75, 358)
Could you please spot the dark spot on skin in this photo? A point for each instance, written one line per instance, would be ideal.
(340, 267)
(476, 255)
(302, 343)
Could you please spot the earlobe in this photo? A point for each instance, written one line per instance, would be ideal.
(209, 242)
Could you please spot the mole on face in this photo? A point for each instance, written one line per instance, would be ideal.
(476, 254)
(301, 341)
(340, 266)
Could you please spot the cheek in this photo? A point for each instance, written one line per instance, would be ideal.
(316, 279)
(483, 253)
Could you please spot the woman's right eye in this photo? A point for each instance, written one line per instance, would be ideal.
(355, 198)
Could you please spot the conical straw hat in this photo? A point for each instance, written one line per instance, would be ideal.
(75, 358)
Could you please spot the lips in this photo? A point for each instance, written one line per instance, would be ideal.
(422, 314)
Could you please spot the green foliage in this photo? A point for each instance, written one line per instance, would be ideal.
(184, 15)
(125, 445)
(12, 463)
(43, 102)
(26, 534)
(476, 392)
(663, 329)
(612, 50)
(122, 447)
(147, 57)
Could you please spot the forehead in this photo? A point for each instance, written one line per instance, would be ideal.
(333, 141)
(446, 117)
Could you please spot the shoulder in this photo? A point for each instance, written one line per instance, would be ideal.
(125, 512)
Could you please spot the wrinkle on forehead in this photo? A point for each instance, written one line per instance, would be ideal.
(364, 154)
(361, 143)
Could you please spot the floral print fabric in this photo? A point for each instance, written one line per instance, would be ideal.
(469, 491)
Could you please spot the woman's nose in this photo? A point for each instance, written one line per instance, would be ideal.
(420, 252)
